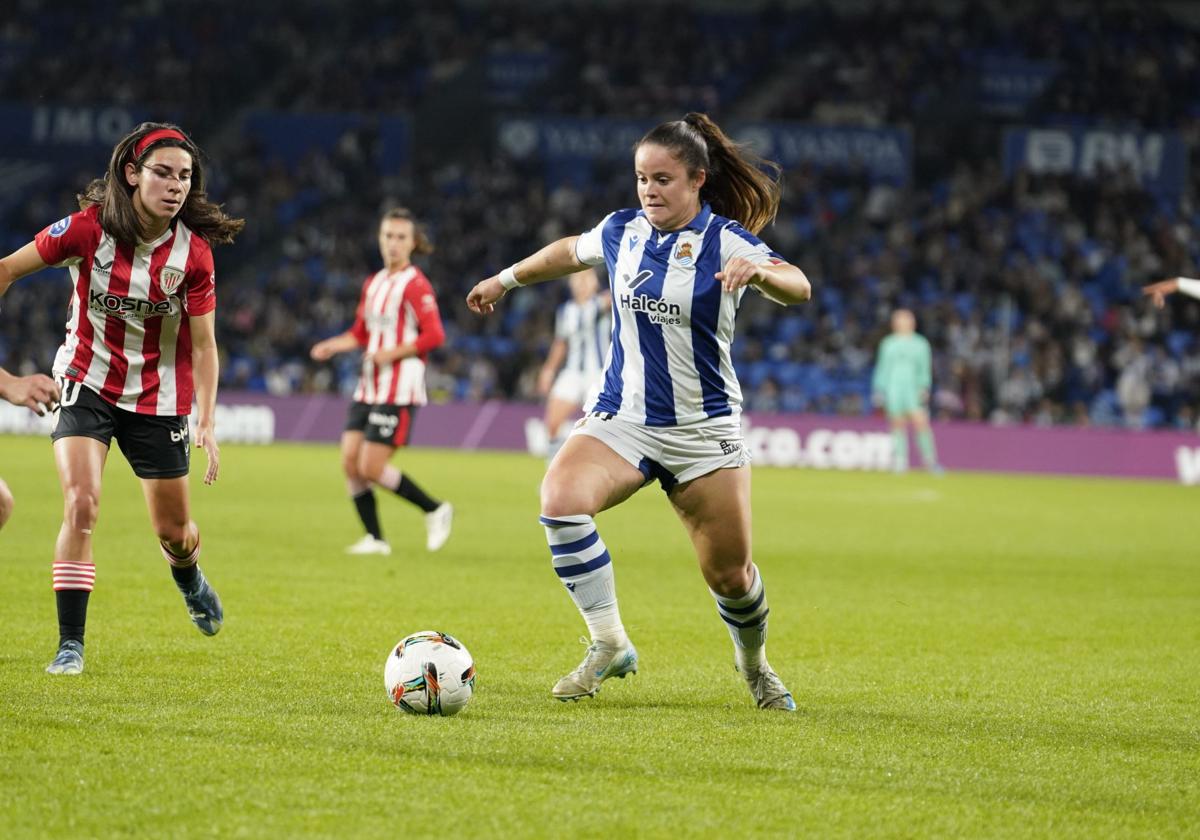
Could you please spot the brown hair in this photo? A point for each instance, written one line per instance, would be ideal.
(117, 214)
(740, 184)
(422, 243)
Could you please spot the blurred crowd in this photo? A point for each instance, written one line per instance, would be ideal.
(1026, 285)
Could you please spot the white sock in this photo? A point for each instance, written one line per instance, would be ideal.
(584, 566)
(746, 618)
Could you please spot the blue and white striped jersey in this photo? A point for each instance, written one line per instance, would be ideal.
(585, 329)
(670, 362)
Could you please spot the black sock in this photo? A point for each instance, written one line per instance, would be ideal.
(364, 503)
(410, 491)
(72, 613)
(186, 576)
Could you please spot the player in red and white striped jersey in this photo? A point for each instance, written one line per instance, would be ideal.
(140, 344)
(396, 326)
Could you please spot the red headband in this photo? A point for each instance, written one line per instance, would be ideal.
(153, 137)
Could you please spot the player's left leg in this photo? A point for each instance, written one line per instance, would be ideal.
(715, 509)
(179, 540)
(374, 464)
(924, 435)
(899, 442)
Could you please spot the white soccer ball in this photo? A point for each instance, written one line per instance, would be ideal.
(430, 673)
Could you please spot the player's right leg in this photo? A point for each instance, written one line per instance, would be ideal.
(586, 477)
(80, 463)
(924, 435)
(359, 488)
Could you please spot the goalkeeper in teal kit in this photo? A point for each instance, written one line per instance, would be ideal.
(903, 375)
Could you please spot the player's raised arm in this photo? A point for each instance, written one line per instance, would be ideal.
(554, 260)
(25, 260)
(1159, 291)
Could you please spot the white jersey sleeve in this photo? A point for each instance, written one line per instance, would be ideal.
(589, 248)
(736, 241)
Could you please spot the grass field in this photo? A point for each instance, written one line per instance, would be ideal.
(972, 656)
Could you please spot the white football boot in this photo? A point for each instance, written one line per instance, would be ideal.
(768, 690)
(369, 545)
(437, 526)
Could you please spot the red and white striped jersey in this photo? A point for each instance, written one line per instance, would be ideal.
(128, 337)
(396, 309)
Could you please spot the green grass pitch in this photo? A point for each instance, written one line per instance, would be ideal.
(972, 656)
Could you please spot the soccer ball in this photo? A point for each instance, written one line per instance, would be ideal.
(429, 673)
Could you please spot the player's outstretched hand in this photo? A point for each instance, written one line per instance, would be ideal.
(37, 392)
(482, 299)
(738, 272)
(206, 439)
(1160, 290)
(321, 351)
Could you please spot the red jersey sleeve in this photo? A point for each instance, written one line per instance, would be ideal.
(420, 298)
(70, 239)
(201, 291)
(359, 328)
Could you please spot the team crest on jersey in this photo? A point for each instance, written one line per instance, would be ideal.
(683, 254)
(60, 227)
(169, 279)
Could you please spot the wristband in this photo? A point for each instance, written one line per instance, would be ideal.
(508, 278)
(1189, 287)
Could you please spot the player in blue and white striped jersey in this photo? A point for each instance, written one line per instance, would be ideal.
(574, 368)
(670, 406)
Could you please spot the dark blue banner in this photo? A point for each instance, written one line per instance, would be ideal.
(512, 74)
(884, 153)
(58, 131)
(1007, 85)
(1158, 160)
(290, 137)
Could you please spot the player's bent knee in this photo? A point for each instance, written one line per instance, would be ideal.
(560, 498)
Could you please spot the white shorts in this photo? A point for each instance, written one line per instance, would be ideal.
(576, 388)
(671, 454)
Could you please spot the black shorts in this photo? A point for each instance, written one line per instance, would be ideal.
(156, 447)
(386, 424)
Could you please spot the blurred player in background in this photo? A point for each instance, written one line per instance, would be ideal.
(397, 324)
(903, 376)
(581, 338)
(38, 393)
(670, 407)
(139, 333)
(1159, 291)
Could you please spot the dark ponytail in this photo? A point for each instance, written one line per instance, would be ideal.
(740, 184)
